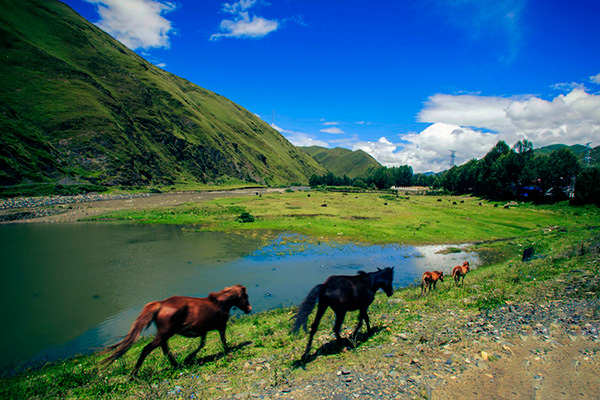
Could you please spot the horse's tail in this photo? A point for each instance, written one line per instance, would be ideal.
(455, 271)
(306, 308)
(143, 320)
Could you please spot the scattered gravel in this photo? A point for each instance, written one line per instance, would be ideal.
(450, 347)
(48, 201)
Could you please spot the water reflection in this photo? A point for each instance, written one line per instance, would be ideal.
(75, 287)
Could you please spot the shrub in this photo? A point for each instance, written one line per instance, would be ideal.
(245, 217)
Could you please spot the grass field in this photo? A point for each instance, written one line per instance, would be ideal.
(371, 217)
(563, 238)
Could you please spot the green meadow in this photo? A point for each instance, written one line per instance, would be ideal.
(370, 217)
(264, 351)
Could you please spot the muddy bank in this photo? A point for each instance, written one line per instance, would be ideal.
(75, 208)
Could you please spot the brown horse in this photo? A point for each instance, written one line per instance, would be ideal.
(460, 271)
(429, 280)
(186, 316)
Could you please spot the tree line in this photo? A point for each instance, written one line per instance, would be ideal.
(503, 173)
(520, 173)
(378, 178)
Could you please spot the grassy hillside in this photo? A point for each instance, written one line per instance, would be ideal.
(75, 103)
(577, 149)
(340, 162)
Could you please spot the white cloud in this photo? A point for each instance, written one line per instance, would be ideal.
(333, 130)
(138, 24)
(243, 25)
(238, 7)
(570, 119)
(429, 150)
(472, 125)
(595, 79)
(300, 138)
(568, 86)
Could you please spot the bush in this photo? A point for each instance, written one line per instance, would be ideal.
(245, 217)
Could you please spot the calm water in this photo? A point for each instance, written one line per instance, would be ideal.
(69, 288)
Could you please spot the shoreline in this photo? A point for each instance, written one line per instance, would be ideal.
(54, 209)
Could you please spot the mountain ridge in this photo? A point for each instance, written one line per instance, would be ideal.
(76, 103)
(341, 161)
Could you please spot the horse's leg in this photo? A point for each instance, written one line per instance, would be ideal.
(339, 320)
(362, 316)
(192, 355)
(315, 325)
(223, 340)
(367, 320)
(168, 354)
(145, 351)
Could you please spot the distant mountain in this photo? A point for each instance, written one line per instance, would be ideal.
(76, 104)
(340, 162)
(577, 149)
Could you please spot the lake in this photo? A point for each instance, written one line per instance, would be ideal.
(71, 288)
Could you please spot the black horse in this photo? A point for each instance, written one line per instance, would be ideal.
(343, 293)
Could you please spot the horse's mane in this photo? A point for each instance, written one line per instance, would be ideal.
(227, 293)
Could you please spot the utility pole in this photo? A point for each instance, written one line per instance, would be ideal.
(452, 157)
(587, 159)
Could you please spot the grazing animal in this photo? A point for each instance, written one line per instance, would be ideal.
(429, 280)
(527, 254)
(186, 316)
(343, 293)
(460, 271)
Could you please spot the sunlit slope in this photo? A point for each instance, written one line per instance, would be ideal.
(76, 103)
(339, 161)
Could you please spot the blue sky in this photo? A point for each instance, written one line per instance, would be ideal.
(406, 81)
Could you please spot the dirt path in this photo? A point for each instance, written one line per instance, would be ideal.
(524, 351)
(49, 210)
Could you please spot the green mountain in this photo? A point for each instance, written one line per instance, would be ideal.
(577, 149)
(340, 162)
(77, 104)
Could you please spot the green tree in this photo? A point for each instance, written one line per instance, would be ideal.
(587, 185)
(486, 168)
(381, 178)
